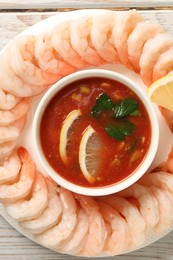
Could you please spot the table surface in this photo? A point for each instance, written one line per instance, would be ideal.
(16, 16)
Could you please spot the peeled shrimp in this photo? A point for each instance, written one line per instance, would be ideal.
(7, 100)
(48, 58)
(119, 239)
(25, 209)
(124, 26)
(97, 233)
(133, 217)
(162, 180)
(10, 116)
(8, 133)
(62, 44)
(11, 133)
(12, 83)
(101, 36)
(169, 162)
(10, 168)
(50, 216)
(164, 64)
(6, 149)
(24, 63)
(10, 193)
(80, 31)
(75, 244)
(168, 116)
(142, 32)
(148, 205)
(152, 50)
(57, 236)
(165, 202)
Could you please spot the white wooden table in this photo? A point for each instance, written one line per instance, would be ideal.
(16, 16)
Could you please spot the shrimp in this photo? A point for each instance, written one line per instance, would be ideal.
(168, 116)
(101, 36)
(25, 209)
(11, 132)
(133, 217)
(48, 58)
(11, 82)
(10, 168)
(8, 133)
(97, 233)
(20, 189)
(61, 42)
(6, 149)
(50, 216)
(165, 202)
(80, 31)
(7, 100)
(169, 162)
(10, 116)
(164, 65)
(75, 244)
(124, 26)
(142, 33)
(148, 205)
(162, 172)
(24, 63)
(56, 237)
(152, 50)
(162, 180)
(119, 239)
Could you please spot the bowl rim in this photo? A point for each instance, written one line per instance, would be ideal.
(135, 175)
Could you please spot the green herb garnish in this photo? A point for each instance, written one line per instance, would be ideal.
(120, 129)
(126, 107)
(103, 103)
(122, 126)
(135, 113)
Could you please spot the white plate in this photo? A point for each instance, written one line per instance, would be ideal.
(166, 137)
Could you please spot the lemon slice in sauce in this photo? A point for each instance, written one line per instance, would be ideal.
(65, 133)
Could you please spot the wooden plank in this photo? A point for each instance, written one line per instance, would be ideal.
(16, 247)
(25, 4)
(13, 23)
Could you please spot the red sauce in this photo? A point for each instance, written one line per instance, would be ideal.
(118, 158)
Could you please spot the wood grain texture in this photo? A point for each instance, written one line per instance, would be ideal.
(11, 24)
(12, 244)
(18, 4)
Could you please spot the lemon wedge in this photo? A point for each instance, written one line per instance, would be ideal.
(89, 154)
(161, 92)
(65, 133)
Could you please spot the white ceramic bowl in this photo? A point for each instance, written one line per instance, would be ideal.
(105, 190)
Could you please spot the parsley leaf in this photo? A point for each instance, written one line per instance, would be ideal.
(135, 113)
(120, 129)
(103, 103)
(126, 107)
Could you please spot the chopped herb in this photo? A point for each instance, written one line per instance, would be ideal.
(120, 129)
(134, 144)
(103, 103)
(126, 107)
